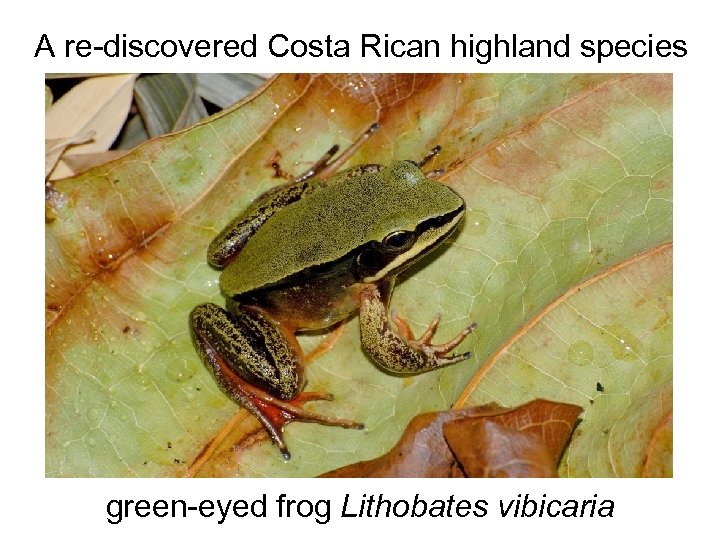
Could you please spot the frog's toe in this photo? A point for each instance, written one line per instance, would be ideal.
(440, 351)
(427, 336)
(293, 411)
(424, 342)
(304, 397)
(276, 413)
(403, 328)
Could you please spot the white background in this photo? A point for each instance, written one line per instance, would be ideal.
(33, 505)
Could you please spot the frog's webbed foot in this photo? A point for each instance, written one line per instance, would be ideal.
(250, 346)
(400, 351)
(274, 414)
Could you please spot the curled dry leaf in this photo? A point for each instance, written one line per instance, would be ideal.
(499, 452)
(54, 148)
(486, 440)
(98, 104)
(523, 442)
(48, 97)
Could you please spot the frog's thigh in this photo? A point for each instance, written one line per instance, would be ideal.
(251, 345)
(389, 349)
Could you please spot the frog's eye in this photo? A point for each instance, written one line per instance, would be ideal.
(399, 240)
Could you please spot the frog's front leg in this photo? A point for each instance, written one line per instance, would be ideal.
(235, 235)
(402, 353)
(259, 365)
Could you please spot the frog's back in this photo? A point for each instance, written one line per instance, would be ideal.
(332, 221)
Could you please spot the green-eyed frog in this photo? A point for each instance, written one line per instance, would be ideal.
(307, 255)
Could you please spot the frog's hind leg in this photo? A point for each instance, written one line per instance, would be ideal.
(247, 351)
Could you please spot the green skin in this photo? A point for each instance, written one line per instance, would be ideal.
(307, 255)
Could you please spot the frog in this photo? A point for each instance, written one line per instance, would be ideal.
(306, 256)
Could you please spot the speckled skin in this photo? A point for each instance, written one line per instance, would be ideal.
(333, 218)
(236, 234)
(252, 345)
(392, 352)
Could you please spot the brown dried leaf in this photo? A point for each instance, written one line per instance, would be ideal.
(98, 104)
(487, 440)
(524, 442)
(54, 148)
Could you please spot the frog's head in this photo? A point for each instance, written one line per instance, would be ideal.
(413, 215)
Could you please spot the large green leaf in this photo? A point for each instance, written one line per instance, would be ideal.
(605, 345)
(564, 177)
